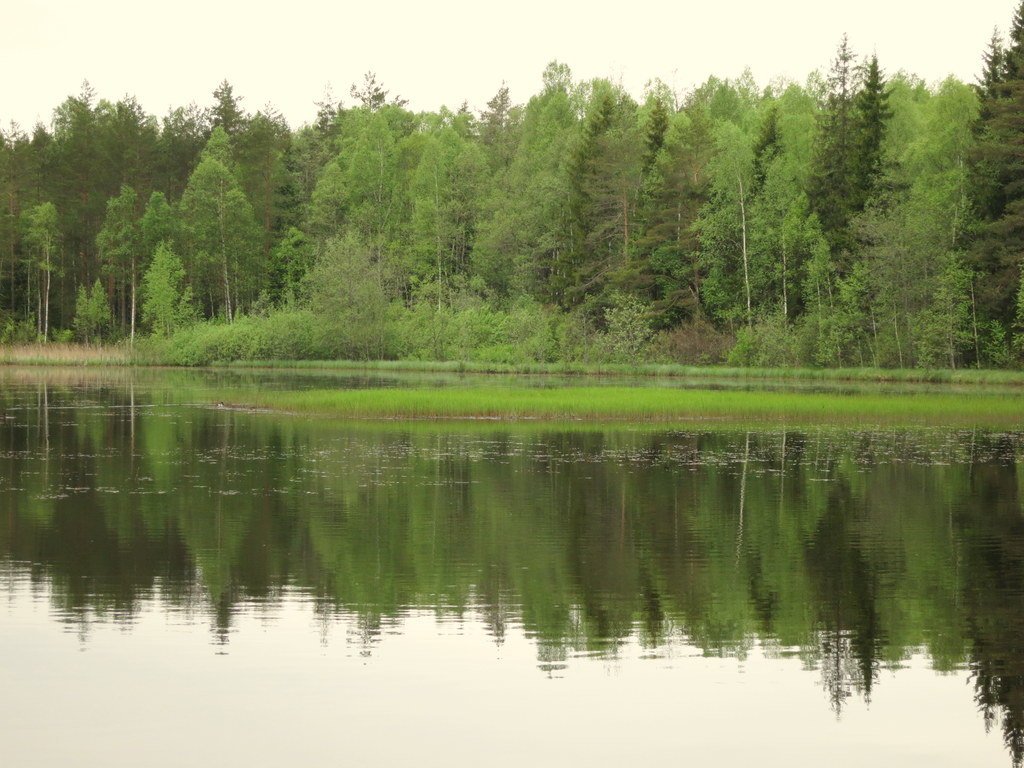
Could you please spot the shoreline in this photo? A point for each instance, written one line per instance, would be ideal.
(66, 355)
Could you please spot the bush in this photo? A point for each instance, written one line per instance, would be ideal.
(282, 335)
(14, 331)
(353, 295)
(695, 342)
(92, 314)
(629, 330)
(770, 343)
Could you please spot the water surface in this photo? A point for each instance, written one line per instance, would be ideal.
(186, 583)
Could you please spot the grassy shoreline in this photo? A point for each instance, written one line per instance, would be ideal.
(56, 353)
(621, 404)
(124, 356)
(653, 370)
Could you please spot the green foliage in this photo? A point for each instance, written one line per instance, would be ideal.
(282, 335)
(167, 302)
(13, 332)
(352, 292)
(769, 343)
(445, 189)
(42, 233)
(92, 314)
(944, 329)
(219, 232)
(725, 228)
(603, 175)
(42, 236)
(119, 238)
(628, 329)
(289, 262)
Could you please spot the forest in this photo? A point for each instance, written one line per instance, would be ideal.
(861, 218)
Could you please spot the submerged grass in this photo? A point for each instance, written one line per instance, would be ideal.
(646, 405)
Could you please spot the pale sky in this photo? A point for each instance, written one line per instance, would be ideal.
(447, 51)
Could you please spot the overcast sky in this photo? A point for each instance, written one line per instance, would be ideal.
(447, 51)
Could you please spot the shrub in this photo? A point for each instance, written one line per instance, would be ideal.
(695, 342)
(770, 343)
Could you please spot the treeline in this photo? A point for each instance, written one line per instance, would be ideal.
(857, 219)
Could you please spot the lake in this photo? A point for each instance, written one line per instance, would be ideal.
(187, 584)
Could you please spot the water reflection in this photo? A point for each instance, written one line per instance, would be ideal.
(850, 551)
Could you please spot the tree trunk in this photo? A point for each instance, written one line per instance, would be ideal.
(227, 292)
(133, 300)
(899, 346)
(746, 267)
(625, 228)
(46, 308)
(785, 294)
(974, 323)
(46, 302)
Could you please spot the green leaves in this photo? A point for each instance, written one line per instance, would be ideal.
(92, 313)
(167, 301)
(220, 232)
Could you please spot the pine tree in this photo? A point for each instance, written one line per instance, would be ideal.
(227, 110)
(499, 125)
(372, 95)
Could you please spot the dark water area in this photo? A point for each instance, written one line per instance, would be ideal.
(186, 583)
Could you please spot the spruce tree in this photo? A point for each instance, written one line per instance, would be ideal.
(654, 132)
(832, 188)
(604, 177)
(992, 74)
(872, 113)
(999, 177)
(767, 147)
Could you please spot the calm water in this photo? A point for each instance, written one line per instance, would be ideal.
(185, 585)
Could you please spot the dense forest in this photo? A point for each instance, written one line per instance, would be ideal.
(860, 218)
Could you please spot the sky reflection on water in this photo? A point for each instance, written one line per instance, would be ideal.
(187, 583)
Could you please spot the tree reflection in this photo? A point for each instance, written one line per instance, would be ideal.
(859, 549)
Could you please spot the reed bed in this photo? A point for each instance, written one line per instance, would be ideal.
(647, 405)
(64, 354)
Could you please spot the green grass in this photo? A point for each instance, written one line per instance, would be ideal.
(909, 375)
(645, 405)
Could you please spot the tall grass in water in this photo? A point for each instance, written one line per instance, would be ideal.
(644, 405)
